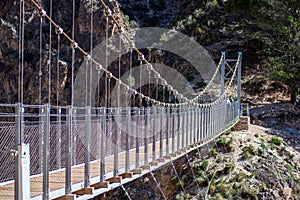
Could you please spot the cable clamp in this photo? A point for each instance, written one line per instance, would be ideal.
(42, 13)
(59, 30)
(149, 67)
(132, 44)
(109, 75)
(121, 30)
(108, 12)
(141, 57)
(99, 67)
(87, 57)
(74, 44)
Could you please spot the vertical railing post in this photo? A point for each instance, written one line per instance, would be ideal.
(24, 171)
(59, 152)
(87, 146)
(187, 126)
(206, 122)
(128, 132)
(18, 141)
(154, 134)
(211, 120)
(198, 124)
(22, 167)
(74, 133)
(173, 129)
(191, 125)
(239, 81)
(103, 139)
(137, 150)
(161, 131)
(69, 122)
(195, 125)
(168, 130)
(218, 114)
(116, 142)
(183, 110)
(179, 124)
(201, 124)
(223, 73)
(146, 151)
(41, 136)
(46, 152)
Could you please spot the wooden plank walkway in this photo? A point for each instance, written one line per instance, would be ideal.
(57, 178)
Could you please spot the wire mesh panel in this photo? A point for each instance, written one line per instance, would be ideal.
(7, 144)
(8, 150)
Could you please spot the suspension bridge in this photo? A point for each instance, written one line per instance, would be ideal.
(49, 150)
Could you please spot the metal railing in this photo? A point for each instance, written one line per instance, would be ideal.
(62, 138)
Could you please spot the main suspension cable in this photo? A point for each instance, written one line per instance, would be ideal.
(110, 75)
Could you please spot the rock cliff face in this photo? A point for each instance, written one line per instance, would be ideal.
(36, 62)
(9, 48)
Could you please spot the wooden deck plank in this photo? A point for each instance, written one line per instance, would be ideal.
(57, 179)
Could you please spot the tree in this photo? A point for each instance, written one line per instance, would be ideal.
(277, 25)
(283, 18)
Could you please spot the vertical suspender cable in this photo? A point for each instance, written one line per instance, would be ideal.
(50, 53)
(73, 54)
(106, 62)
(21, 52)
(86, 82)
(131, 80)
(119, 67)
(140, 99)
(41, 61)
(91, 53)
(57, 70)
(149, 87)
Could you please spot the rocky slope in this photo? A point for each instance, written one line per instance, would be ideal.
(253, 164)
(259, 163)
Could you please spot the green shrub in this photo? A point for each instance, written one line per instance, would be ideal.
(174, 178)
(251, 149)
(202, 181)
(256, 135)
(204, 164)
(218, 196)
(180, 183)
(212, 186)
(228, 132)
(221, 141)
(291, 156)
(264, 147)
(180, 196)
(247, 154)
(213, 151)
(228, 167)
(276, 140)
